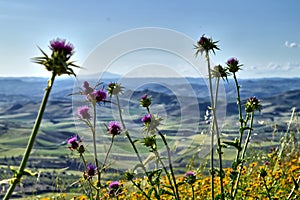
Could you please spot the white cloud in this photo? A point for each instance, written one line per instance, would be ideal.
(291, 44)
(273, 69)
(274, 66)
(289, 66)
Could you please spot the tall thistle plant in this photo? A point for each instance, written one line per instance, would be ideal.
(207, 45)
(58, 63)
(246, 125)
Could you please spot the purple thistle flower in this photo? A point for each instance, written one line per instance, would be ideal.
(114, 185)
(203, 40)
(74, 143)
(206, 44)
(99, 95)
(190, 177)
(83, 112)
(60, 45)
(146, 119)
(91, 169)
(267, 163)
(114, 128)
(232, 61)
(233, 65)
(144, 96)
(190, 173)
(114, 188)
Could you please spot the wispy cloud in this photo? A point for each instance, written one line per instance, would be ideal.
(291, 44)
(289, 66)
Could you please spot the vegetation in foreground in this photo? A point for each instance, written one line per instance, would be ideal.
(266, 177)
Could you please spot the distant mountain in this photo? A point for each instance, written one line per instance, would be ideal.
(32, 88)
(20, 99)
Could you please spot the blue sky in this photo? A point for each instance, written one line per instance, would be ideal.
(263, 35)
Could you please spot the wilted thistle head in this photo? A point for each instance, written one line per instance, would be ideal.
(87, 89)
(145, 101)
(114, 128)
(233, 65)
(84, 113)
(114, 89)
(252, 104)
(205, 44)
(190, 177)
(58, 62)
(220, 72)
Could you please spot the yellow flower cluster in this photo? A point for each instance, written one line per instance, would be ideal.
(279, 183)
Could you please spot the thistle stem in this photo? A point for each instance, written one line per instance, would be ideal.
(213, 128)
(93, 128)
(128, 136)
(139, 187)
(170, 162)
(241, 133)
(175, 191)
(236, 184)
(268, 189)
(31, 139)
(240, 115)
(193, 192)
(165, 169)
(85, 168)
(106, 157)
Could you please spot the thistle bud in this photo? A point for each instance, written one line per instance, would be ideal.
(252, 104)
(233, 65)
(145, 101)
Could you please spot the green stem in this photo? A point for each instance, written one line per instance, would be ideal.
(213, 128)
(175, 191)
(165, 169)
(130, 140)
(31, 139)
(193, 192)
(85, 168)
(241, 131)
(296, 186)
(219, 140)
(139, 187)
(268, 189)
(93, 129)
(243, 155)
(128, 136)
(170, 162)
(106, 157)
(240, 115)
